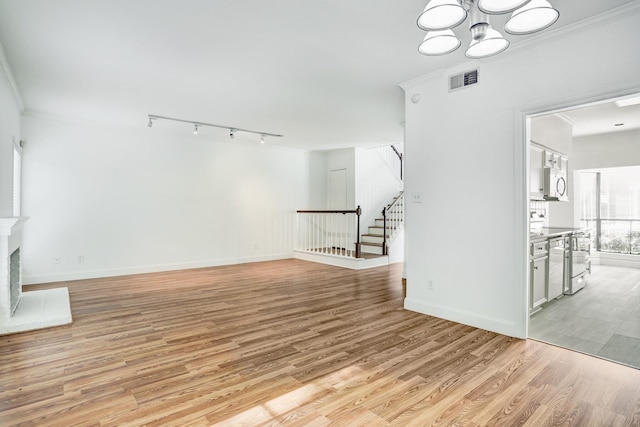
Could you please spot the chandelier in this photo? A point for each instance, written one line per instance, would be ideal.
(440, 16)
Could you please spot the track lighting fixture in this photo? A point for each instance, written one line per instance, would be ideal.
(441, 16)
(198, 125)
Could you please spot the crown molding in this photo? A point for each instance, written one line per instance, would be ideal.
(566, 119)
(8, 75)
(575, 27)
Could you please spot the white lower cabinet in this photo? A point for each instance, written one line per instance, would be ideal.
(539, 265)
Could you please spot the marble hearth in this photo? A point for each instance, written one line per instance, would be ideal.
(24, 311)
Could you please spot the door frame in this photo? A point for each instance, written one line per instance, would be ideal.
(522, 136)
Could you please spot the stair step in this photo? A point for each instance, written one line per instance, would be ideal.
(372, 238)
(371, 248)
(371, 244)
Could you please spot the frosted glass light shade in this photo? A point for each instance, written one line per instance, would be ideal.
(439, 43)
(535, 16)
(492, 44)
(441, 15)
(497, 7)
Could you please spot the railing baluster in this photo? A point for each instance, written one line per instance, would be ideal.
(329, 232)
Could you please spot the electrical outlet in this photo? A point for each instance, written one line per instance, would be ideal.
(56, 260)
(80, 259)
(430, 285)
(416, 197)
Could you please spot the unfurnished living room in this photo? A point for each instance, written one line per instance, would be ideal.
(316, 213)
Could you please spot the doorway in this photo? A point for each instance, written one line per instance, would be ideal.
(601, 319)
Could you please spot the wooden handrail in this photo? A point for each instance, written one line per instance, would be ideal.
(400, 156)
(325, 211)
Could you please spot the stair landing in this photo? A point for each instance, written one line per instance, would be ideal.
(365, 261)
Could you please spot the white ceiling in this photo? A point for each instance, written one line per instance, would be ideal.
(604, 117)
(323, 73)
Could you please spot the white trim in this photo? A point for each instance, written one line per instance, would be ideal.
(617, 260)
(8, 75)
(340, 261)
(585, 99)
(522, 169)
(575, 27)
(143, 269)
(563, 116)
(494, 324)
(521, 177)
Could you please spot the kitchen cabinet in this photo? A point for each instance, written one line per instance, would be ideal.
(536, 175)
(538, 280)
(551, 159)
(564, 163)
(541, 157)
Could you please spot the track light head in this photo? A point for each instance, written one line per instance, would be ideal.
(198, 125)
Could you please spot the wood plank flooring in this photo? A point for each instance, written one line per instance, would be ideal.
(291, 343)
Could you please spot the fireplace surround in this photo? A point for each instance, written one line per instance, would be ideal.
(23, 311)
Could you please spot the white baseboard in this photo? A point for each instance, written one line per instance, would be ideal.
(616, 260)
(344, 262)
(33, 279)
(493, 324)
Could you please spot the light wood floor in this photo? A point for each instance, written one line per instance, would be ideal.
(291, 343)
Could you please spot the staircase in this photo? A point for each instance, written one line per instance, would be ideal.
(374, 241)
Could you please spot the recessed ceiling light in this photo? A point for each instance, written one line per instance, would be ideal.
(625, 102)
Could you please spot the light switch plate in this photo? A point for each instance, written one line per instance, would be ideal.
(416, 197)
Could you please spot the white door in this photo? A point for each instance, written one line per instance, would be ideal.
(338, 189)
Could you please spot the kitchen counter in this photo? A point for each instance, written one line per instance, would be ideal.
(550, 232)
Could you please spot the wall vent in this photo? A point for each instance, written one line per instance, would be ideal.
(462, 80)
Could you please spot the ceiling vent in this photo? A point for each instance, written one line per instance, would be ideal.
(462, 80)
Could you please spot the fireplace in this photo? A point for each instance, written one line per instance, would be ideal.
(15, 283)
(23, 311)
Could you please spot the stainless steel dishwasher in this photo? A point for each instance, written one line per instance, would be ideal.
(556, 268)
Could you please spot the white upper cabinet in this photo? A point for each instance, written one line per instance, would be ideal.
(541, 157)
(536, 164)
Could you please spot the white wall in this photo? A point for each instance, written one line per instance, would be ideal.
(139, 200)
(317, 181)
(467, 155)
(552, 132)
(606, 150)
(9, 132)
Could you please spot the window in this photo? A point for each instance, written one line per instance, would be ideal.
(17, 179)
(610, 206)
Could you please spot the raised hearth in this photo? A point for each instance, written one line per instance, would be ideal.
(23, 311)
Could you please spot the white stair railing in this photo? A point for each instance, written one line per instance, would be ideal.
(329, 232)
(393, 219)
